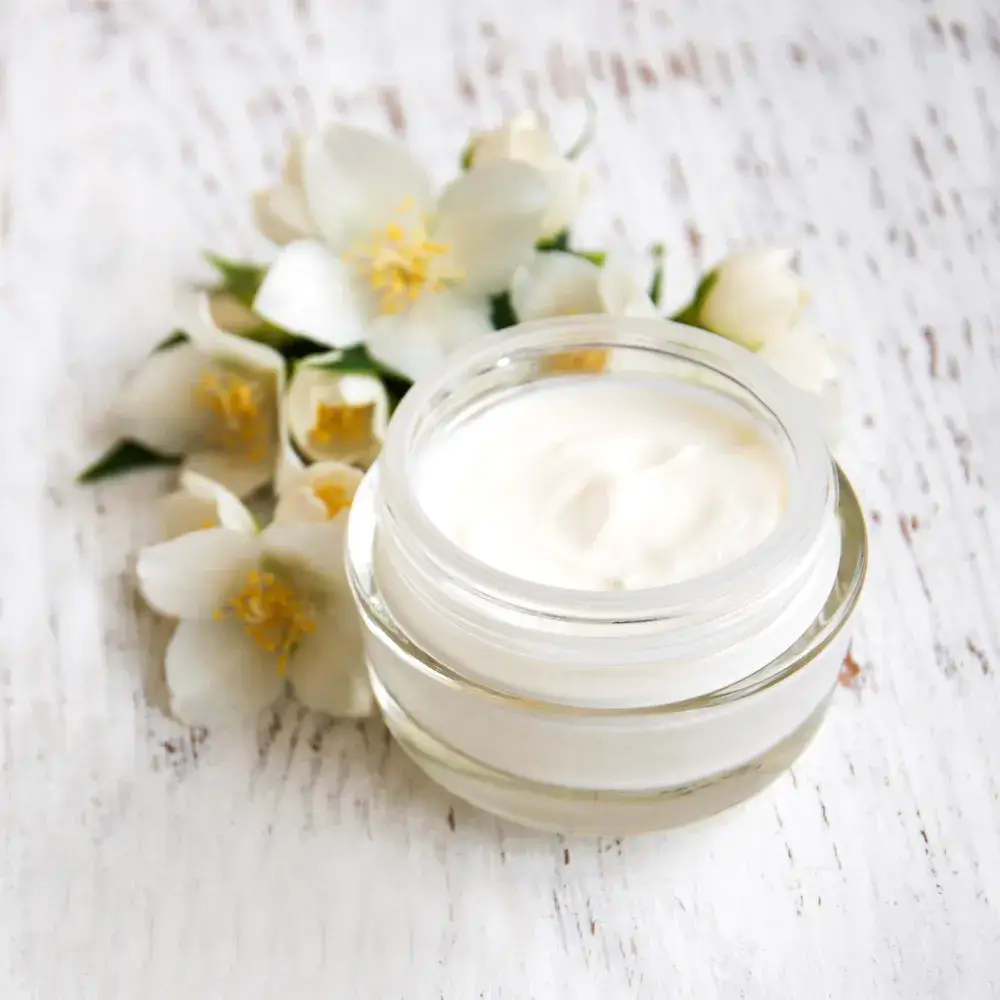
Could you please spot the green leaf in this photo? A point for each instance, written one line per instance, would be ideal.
(353, 359)
(558, 242)
(177, 337)
(240, 279)
(126, 456)
(396, 385)
(691, 313)
(502, 311)
(466, 159)
(656, 284)
(293, 348)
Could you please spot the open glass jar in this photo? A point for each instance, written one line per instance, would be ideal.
(615, 711)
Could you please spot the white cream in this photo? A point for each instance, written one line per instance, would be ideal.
(604, 484)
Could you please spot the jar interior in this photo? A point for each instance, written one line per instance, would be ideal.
(686, 372)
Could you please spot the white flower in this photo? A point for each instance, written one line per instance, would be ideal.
(321, 492)
(255, 610)
(386, 264)
(752, 296)
(212, 399)
(525, 139)
(563, 284)
(336, 415)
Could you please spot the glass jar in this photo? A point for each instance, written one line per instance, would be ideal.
(607, 712)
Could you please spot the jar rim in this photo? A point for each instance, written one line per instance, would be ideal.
(809, 487)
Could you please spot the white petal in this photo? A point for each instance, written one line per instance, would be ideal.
(230, 315)
(568, 187)
(310, 554)
(312, 387)
(355, 181)
(418, 342)
(281, 212)
(311, 291)
(216, 674)
(158, 405)
(299, 500)
(291, 173)
(526, 139)
(491, 218)
(327, 670)
(183, 512)
(198, 322)
(555, 284)
(237, 473)
(201, 503)
(282, 215)
(192, 576)
(300, 505)
(802, 357)
(621, 294)
(522, 138)
(755, 296)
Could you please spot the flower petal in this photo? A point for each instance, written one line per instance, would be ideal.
(192, 576)
(282, 214)
(158, 405)
(555, 284)
(201, 503)
(522, 137)
(418, 342)
(311, 553)
(802, 357)
(755, 296)
(198, 322)
(526, 139)
(621, 294)
(216, 674)
(310, 291)
(307, 496)
(327, 670)
(354, 182)
(313, 388)
(491, 218)
(568, 185)
(805, 360)
(230, 315)
(183, 512)
(237, 473)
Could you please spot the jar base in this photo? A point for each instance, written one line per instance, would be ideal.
(587, 811)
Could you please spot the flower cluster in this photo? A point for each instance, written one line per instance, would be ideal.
(283, 378)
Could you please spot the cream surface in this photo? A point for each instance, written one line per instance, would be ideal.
(604, 484)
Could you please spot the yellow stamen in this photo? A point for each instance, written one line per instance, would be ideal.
(334, 497)
(588, 360)
(401, 263)
(271, 613)
(342, 423)
(240, 416)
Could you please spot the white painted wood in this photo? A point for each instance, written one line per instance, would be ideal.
(310, 860)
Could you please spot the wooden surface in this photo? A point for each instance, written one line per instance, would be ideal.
(312, 860)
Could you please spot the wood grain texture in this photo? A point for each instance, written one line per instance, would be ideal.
(305, 859)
